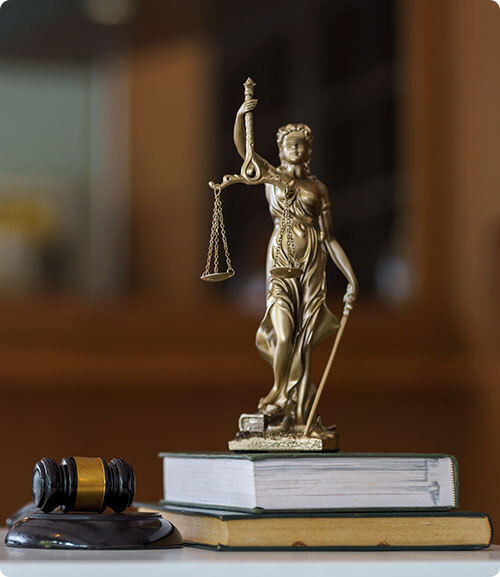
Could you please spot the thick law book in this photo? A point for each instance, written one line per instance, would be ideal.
(328, 531)
(310, 481)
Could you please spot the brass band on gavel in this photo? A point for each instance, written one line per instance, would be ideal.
(83, 484)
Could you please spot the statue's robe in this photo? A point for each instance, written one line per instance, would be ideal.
(301, 299)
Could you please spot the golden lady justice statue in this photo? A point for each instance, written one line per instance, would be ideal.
(297, 317)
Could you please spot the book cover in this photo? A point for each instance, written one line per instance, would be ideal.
(292, 530)
(260, 484)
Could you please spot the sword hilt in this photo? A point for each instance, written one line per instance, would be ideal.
(250, 170)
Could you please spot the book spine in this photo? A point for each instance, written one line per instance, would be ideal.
(455, 482)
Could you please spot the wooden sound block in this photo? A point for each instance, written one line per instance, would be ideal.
(98, 531)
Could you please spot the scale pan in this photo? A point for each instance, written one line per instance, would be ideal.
(286, 272)
(217, 276)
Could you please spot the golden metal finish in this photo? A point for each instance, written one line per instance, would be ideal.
(343, 322)
(292, 271)
(285, 272)
(91, 483)
(217, 276)
(217, 229)
(297, 318)
(283, 443)
(249, 169)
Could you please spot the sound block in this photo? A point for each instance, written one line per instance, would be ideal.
(98, 531)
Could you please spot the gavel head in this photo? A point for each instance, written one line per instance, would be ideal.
(83, 484)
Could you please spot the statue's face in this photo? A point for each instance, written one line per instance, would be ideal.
(294, 148)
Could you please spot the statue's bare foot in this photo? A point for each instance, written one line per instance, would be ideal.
(262, 404)
(269, 399)
(269, 409)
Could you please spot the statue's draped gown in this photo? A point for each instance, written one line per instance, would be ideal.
(301, 299)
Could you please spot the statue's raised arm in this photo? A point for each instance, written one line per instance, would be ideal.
(255, 168)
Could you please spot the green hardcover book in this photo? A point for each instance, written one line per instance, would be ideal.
(267, 482)
(230, 530)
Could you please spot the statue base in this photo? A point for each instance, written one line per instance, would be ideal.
(255, 435)
(282, 443)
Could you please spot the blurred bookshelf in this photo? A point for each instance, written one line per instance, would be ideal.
(126, 304)
(120, 335)
(149, 108)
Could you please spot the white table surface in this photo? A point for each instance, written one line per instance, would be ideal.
(191, 562)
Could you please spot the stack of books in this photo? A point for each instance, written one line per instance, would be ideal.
(324, 501)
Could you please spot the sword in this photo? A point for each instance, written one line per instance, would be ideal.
(343, 322)
(250, 170)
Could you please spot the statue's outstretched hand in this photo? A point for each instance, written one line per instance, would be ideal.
(247, 106)
(350, 294)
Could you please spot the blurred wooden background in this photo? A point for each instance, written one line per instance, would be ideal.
(172, 365)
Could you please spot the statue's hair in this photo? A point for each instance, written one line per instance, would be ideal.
(300, 127)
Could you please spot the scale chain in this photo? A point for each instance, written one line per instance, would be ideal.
(217, 231)
(217, 235)
(290, 243)
(213, 240)
(280, 241)
(223, 232)
(286, 224)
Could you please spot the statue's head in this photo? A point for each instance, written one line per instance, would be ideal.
(295, 143)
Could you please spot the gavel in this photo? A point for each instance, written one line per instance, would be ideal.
(83, 484)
